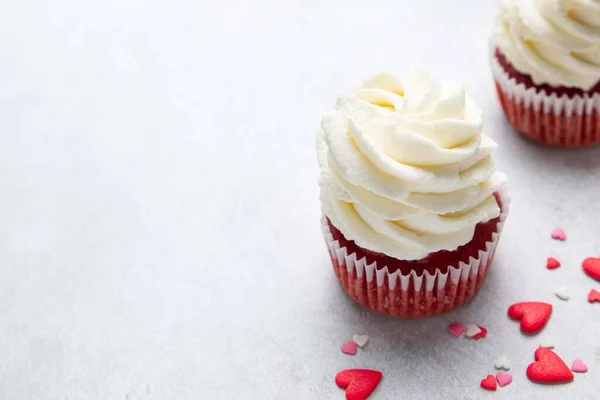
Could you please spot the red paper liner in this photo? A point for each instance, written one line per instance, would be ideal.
(547, 116)
(418, 293)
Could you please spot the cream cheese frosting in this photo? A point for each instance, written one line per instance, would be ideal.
(557, 42)
(405, 167)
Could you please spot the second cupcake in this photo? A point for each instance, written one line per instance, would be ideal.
(412, 205)
(546, 64)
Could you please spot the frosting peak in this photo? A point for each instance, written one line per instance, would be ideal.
(405, 167)
(557, 42)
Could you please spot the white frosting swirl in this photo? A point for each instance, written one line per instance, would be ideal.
(405, 169)
(557, 42)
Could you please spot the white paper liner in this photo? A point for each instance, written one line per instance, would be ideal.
(539, 99)
(353, 271)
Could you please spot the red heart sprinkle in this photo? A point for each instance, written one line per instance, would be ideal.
(489, 383)
(359, 383)
(481, 334)
(548, 368)
(593, 296)
(591, 266)
(552, 263)
(533, 315)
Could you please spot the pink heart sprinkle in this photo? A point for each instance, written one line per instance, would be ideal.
(578, 366)
(559, 234)
(349, 347)
(503, 378)
(456, 329)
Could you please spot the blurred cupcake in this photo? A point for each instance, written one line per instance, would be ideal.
(412, 204)
(546, 64)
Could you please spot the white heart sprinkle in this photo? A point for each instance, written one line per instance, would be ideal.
(360, 340)
(472, 330)
(547, 342)
(502, 362)
(562, 293)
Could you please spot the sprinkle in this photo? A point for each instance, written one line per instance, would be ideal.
(349, 347)
(591, 266)
(503, 378)
(360, 340)
(489, 383)
(359, 383)
(559, 234)
(548, 368)
(593, 296)
(552, 263)
(502, 362)
(579, 366)
(456, 329)
(482, 334)
(562, 293)
(533, 315)
(472, 330)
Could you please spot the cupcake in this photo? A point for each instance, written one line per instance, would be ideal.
(546, 65)
(412, 204)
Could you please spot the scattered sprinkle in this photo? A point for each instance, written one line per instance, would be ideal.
(349, 347)
(503, 378)
(591, 266)
(489, 383)
(548, 368)
(559, 234)
(502, 362)
(533, 315)
(562, 293)
(593, 296)
(456, 329)
(360, 340)
(552, 263)
(359, 383)
(482, 334)
(471, 330)
(579, 366)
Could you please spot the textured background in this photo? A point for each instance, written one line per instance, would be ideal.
(159, 215)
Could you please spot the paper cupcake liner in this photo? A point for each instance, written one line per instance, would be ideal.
(562, 121)
(412, 295)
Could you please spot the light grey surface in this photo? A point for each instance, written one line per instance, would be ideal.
(159, 215)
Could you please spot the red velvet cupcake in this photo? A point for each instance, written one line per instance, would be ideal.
(413, 206)
(546, 67)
